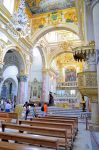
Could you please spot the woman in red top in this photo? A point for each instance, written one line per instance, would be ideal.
(45, 109)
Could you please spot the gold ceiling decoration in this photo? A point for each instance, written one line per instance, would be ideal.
(65, 45)
(67, 59)
(59, 17)
(64, 58)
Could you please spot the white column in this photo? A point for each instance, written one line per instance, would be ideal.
(91, 62)
(1, 76)
(45, 86)
(96, 34)
(1, 79)
(95, 112)
(22, 89)
(88, 22)
(95, 105)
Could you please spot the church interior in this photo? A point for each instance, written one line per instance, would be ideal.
(49, 55)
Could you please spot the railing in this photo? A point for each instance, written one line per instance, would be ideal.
(67, 84)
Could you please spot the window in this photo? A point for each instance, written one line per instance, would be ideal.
(9, 4)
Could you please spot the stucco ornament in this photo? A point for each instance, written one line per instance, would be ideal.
(20, 20)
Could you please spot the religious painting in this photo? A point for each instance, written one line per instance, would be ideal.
(43, 6)
(70, 74)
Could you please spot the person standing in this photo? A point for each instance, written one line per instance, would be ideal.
(51, 99)
(44, 109)
(26, 105)
(7, 107)
(83, 104)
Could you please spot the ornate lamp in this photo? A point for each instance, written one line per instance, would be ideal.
(19, 19)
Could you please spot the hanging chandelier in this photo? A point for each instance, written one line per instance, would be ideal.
(19, 18)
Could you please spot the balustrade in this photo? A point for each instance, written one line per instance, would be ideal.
(67, 84)
(87, 83)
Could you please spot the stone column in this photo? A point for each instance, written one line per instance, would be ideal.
(95, 112)
(22, 89)
(1, 76)
(45, 86)
(95, 6)
(88, 21)
(91, 60)
(1, 79)
(94, 100)
(95, 104)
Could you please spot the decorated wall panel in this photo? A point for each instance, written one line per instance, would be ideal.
(54, 18)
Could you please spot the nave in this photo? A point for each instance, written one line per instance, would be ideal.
(61, 132)
(49, 54)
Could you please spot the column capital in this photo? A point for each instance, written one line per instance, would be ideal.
(94, 2)
(22, 78)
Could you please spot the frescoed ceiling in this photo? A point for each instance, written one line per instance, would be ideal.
(43, 6)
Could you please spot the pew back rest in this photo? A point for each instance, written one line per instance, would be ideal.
(67, 127)
(15, 146)
(13, 115)
(30, 139)
(4, 115)
(37, 130)
(54, 120)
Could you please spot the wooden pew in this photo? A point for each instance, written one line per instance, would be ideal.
(13, 115)
(65, 118)
(62, 117)
(31, 139)
(8, 116)
(15, 146)
(67, 127)
(60, 134)
(66, 121)
(4, 117)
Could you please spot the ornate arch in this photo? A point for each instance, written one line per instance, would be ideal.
(57, 54)
(19, 53)
(41, 32)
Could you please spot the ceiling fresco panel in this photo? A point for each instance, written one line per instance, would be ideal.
(43, 6)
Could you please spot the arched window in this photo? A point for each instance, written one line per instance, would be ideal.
(9, 4)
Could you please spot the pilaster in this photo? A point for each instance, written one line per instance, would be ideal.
(45, 85)
(91, 60)
(22, 89)
(95, 10)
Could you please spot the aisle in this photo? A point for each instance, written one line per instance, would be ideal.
(83, 140)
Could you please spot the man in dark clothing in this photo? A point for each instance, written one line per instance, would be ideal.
(26, 105)
(51, 99)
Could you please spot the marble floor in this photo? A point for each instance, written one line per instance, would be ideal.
(86, 140)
